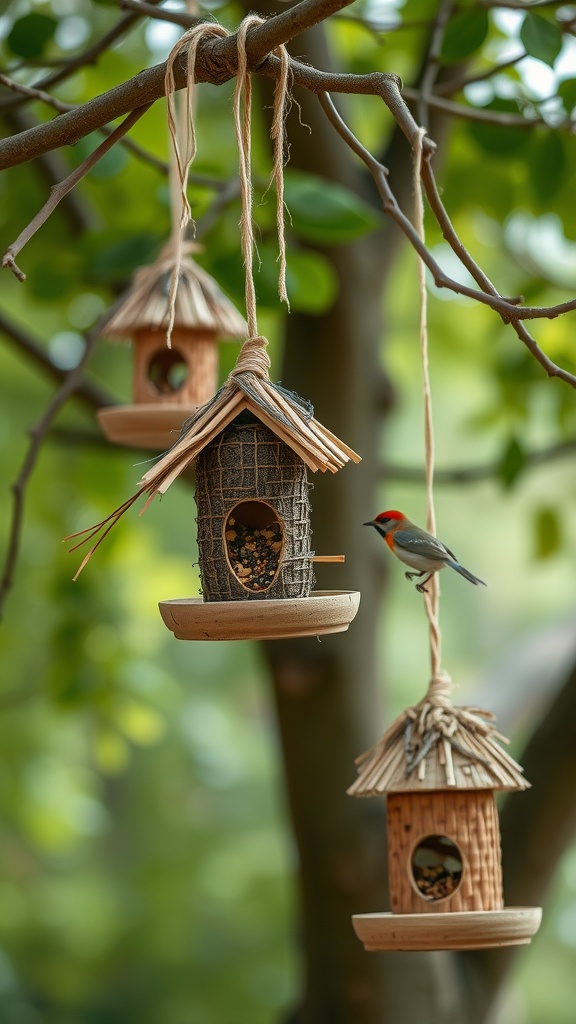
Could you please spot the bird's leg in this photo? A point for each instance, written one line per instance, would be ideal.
(411, 575)
(421, 587)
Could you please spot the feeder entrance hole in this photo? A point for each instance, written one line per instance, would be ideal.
(436, 867)
(167, 371)
(254, 540)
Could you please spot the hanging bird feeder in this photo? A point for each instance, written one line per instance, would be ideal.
(438, 767)
(251, 447)
(169, 383)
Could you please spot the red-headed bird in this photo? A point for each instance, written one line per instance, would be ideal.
(416, 548)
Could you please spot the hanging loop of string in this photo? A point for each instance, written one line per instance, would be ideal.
(440, 684)
(185, 150)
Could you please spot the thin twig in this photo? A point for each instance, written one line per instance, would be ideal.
(59, 191)
(37, 435)
(88, 56)
(433, 62)
(88, 392)
(146, 10)
(451, 236)
(452, 85)
(510, 310)
(458, 475)
(502, 118)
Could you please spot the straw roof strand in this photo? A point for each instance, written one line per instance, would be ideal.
(431, 747)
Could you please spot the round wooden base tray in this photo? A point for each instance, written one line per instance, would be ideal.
(144, 426)
(325, 611)
(467, 929)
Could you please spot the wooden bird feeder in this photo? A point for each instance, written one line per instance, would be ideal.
(439, 767)
(251, 447)
(168, 383)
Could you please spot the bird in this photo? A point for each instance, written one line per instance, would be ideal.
(415, 547)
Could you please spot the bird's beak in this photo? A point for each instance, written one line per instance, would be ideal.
(369, 523)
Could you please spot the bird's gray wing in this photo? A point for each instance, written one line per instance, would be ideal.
(429, 546)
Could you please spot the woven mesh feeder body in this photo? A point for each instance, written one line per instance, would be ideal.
(248, 463)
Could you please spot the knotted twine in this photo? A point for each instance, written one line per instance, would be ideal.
(185, 151)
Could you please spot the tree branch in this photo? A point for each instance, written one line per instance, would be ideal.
(216, 62)
(32, 93)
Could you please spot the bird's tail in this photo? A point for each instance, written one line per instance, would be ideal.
(466, 574)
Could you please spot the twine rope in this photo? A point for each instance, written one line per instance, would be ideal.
(184, 147)
(440, 683)
(242, 123)
(183, 137)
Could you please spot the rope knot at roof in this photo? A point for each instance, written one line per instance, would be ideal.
(439, 689)
(253, 358)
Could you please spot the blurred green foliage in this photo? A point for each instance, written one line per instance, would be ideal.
(145, 866)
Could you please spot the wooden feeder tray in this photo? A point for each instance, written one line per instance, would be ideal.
(155, 426)
(324, 611)
(471, 929)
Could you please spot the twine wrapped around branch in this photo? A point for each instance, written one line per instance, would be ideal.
(184, 146)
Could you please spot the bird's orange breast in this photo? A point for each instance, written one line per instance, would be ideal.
(389, 538)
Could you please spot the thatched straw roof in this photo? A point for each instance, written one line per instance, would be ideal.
(200, 303)
(438, 747)
(248, 387)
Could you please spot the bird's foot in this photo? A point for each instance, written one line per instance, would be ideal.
(422, 588)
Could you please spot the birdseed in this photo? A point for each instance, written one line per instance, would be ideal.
(254, 555)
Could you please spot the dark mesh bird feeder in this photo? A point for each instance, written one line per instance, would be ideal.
(169, 383)
(251, 446)
(438, 767)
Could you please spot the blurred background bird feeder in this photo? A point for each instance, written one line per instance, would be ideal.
(439, 767)
(169, 383)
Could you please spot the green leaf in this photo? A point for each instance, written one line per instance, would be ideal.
(547, 163)
(541, 38)
(512, 462)
(30, 34)
(326, 213)
(500, 140)
(464, 34)
(567, 93)
(114, 260)
(547, 532)
(311, 281)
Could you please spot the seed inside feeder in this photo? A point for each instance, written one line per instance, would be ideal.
(254, 542)
(436, 867)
